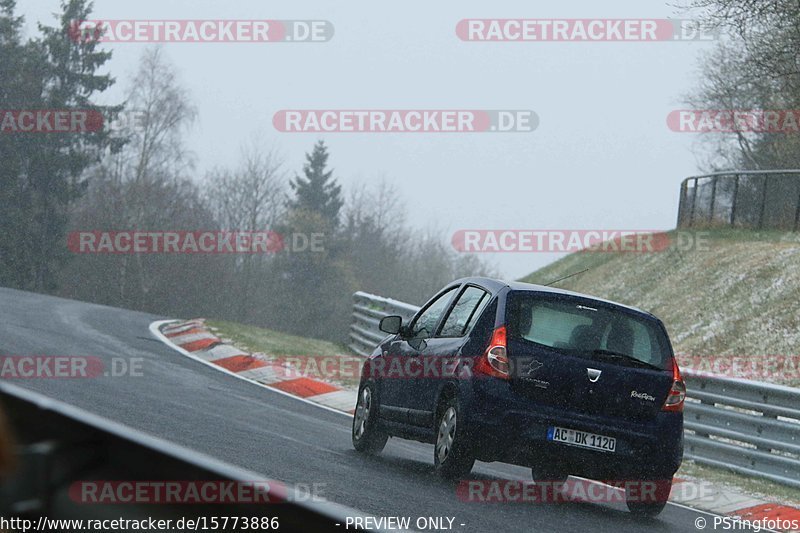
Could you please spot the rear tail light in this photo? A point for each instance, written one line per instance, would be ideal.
(494, 362)
(677, 393)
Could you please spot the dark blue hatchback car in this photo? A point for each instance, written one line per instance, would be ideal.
(557, 381)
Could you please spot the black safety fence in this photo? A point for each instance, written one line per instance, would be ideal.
(754, 199)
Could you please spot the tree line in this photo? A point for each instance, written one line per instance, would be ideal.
(753, 67)
(137, 173)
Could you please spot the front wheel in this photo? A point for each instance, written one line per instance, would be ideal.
(453, 457)
(367, 438)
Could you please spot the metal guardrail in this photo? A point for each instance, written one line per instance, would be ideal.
(368, 309)
(757, 199)
(747, 427)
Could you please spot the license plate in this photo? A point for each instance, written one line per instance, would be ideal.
(574, 437)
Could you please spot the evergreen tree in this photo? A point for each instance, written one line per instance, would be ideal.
(315, 285)
(317, 191)
(42, 173)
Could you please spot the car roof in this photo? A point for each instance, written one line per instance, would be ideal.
(495, 285)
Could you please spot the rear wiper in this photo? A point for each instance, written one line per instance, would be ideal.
(616, 356)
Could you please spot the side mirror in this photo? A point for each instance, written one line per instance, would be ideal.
(391, 324)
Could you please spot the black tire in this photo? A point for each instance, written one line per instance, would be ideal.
(648, 498)
(453, 456)
(367, 438)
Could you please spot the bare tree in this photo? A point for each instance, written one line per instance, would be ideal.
(156, 154)
(166, 113)
(248, 198)
(144, 185)
(756, 68)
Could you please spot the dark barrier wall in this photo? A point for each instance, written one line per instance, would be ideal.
(59, 447)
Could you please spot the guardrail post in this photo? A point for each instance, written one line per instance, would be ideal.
(713, 198)
(797, 214)
(704, 401)
(733, 202)
(682, 205)
(763, 203)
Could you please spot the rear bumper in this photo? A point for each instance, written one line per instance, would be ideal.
(514, 431)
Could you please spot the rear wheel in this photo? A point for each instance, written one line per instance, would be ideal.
(367, 438)
(649, 497)
(453, 457)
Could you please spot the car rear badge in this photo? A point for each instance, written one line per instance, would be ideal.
(642, 396)
(533, 366)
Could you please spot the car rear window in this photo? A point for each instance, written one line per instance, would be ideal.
(585, 327)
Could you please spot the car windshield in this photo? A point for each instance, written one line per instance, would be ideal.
(587, 328)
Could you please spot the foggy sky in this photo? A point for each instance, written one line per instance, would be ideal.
(602, 156)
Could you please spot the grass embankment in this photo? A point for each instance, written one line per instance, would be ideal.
(737, 296)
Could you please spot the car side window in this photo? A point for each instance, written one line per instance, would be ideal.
(464, 312)
(425, 323)
(477, 313)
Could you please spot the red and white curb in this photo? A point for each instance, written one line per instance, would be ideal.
(729, 503)
(193, 340)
